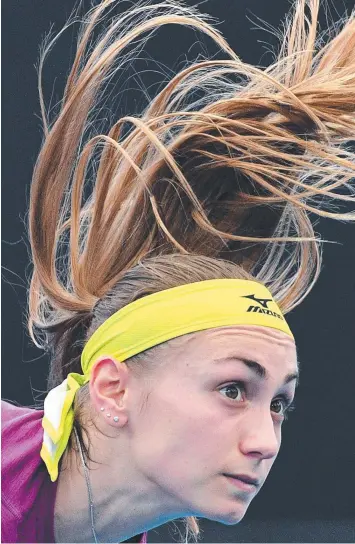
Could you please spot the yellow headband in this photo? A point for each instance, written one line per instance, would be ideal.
(148, 322)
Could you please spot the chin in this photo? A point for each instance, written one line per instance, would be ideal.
(227, 516)
(233, 519)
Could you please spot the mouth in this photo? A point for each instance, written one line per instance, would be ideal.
(244, 482)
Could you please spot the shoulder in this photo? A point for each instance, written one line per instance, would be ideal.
(21, 431)
(26, 485)
(15, 415)
(21, 438)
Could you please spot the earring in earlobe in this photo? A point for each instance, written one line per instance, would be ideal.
(115, 419)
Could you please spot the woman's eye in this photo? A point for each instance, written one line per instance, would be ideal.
(280, 406)
(284, 405)
(232, 390)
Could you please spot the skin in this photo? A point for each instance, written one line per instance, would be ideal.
(179, 431)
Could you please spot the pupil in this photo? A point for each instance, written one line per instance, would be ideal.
(233, 388)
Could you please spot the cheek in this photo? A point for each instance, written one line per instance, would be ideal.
(177, 436)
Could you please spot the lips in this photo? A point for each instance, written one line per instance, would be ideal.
(245, 478)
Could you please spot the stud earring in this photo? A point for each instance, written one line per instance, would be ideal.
(102, 408)
(115, 419)
(108, 415)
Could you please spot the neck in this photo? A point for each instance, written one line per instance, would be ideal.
(125, 503)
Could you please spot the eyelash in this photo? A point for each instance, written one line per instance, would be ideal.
(289, 405)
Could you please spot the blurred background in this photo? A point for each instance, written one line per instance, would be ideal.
(310, 493)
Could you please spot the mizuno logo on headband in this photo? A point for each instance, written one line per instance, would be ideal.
(264, 303)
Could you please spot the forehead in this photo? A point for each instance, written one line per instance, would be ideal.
(267, 346)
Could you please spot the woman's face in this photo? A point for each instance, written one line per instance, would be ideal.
(217, 408)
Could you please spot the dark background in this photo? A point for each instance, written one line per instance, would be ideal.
(310, 493)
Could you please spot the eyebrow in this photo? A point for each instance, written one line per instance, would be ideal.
(259, 370)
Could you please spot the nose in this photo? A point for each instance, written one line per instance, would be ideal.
(260, 437)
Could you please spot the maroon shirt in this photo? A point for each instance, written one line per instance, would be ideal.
(28, 494)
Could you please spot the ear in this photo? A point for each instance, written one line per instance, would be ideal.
(108, 390)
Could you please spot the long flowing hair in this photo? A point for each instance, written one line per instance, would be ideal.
(222, 174)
